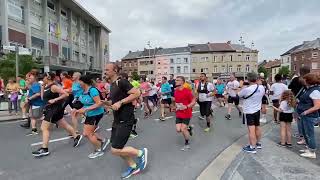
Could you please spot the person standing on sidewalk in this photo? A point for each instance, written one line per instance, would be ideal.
(276, 90)
(184, 101)
(122, 94)
(233, 98)
(308, 110)
(252, 96)
(12, 90)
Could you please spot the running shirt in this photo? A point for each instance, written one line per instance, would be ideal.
(87, 100)
(187, 86)
(183, 97)
(252, 104)
(34, 89)
(204, 89)
(220, 88)
(166, 91)
(135, 84)
(284, 106)
(231, 85)
(277, 89)
(77, 90)
(172, 84)
(67, 84)
(154, 90)
(48, 95)
(145, 88)
(22, 83)
(100, 87)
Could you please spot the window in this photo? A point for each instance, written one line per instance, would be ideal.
(178, 60)
(51, 6)
(239, 68)
(194, 59)
(185, 69)
(288, 59)
(76, 55)
(315, 65)
(230, 69)
(230, 57)
(63, 13)
(204, 70)
(223, 68)
(171, 61)
(193, 70)
(15, 11)
(215, 69)
(247, 68)
(151, 72)
(294, 67)
(178, 69)
(201, 70)
(314, 54)
(185, 60)
(36, 19)
(247, 57)
(214, 58)
(221, 58)
(171, 70)
(295, 58)
(151, 62)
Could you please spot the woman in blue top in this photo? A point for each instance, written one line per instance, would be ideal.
(220, 87)
(93, 110)
(77, 91)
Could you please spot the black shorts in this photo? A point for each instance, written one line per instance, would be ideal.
(219, 96)
(276, 103)
(205, 108)
(166, 101)
(265, 100)
(153, 98)
(93, 120)
(53, 113)
(285, 117)
(234, 100)
(69, 101)
(252, 119)
(120, 134)
(185, 121)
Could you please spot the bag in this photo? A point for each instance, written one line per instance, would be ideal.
(252, 93)
(76, 104)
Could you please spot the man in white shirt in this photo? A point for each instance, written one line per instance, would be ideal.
(276, 91)
(252, 96)
(205, 91)
(232, 88)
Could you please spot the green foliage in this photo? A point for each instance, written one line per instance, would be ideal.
(8, 65)
(135, 76)
(263, 70)
(284, 71)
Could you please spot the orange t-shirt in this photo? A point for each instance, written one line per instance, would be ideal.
(67, 84)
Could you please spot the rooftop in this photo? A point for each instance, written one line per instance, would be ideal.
(272, 63)
(315, 44)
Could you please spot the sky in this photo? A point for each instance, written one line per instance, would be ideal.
(274, 26)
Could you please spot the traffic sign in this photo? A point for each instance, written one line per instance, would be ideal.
(10, 48)
(24, 51)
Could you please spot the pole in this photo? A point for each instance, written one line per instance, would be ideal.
(17, 61)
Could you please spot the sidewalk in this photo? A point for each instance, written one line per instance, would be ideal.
(271, 162)
(4, 113)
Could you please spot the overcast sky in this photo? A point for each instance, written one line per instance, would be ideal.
(273, 25)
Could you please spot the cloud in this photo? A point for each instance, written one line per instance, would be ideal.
(274, 26)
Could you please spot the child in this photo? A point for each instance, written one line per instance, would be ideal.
(286, 108)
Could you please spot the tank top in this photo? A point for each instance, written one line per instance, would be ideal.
(48, 94)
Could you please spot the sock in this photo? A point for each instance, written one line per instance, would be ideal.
(133, 166)
(140, 153)
(186, 142)
(208, 124)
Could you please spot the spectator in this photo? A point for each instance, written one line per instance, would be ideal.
(276, 90)
(23, 93)
(308, 109)
(12, 90)
(1, 91)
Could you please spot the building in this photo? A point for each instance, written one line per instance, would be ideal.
(221, 59)
(129, 63)
(62, 33)
(146, 63)
(173, 61)
(272, 67)
(307, 54)
(286, 57)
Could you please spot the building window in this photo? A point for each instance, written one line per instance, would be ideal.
(294, 67)
(221, 58)
(239, 68)
(193, 70)
(185, 60)
(185, 69)
(247, 57)
(295, 58)
(214, 58)
(151, 72)
(288, 59)
(178, 61)
(171, 70)
(178, 69)
(171, 61)
(201, 70)
(194, 59)
(247, 68)
(230, 69)
(76, 55)
(223, 68)
(230, 57)
(15, 11)
(215, 69)
(314, 54)
(315, 65)
(151, 62)
(51, 6)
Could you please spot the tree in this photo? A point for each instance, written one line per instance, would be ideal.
(8, 65)
(284, 71)
(135, 76)
(264, 71)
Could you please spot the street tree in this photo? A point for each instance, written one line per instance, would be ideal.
(264, 71)
(284, 71)
(135, 76)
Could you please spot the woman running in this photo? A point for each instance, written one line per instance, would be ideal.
(77, 91)
(93, 110)
(53, 96)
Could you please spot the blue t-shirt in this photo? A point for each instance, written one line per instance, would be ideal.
(77, 90)
(166, 88)
(34, 89)
(87, 101)
(220, 88)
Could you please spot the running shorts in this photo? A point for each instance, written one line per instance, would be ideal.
(36, 112)
(205, 108)
(234, 100)
(93, 120)
(166, 101)
(185, 121)
(120, 134)
(54, 113)
(265, 100)
(252, 119)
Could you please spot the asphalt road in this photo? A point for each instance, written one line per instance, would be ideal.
(165, 161)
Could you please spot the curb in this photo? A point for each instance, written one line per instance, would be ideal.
(216, 169)
(13, 119)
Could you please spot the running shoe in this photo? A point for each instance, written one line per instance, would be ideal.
(96, 153)
(77, 140)
(32, 133)
(133, 135)
(240, 114)
(104, 144)
(259, 145)
(228, 117)
(309, 154)
(301, 142)
(143, 159)
(190, 128)
(281, 145)
(25, 125)
(201, 117)
(288, 145)
(185, 147)
(206, 129)
(249, 149)
(129, 172)
(316, 125)
(162, 118)
(41, 152)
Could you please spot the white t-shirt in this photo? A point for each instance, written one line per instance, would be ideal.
(204, 96)
(278, 89)
(285, 107)
(231, 85)
(153, 91)
(315, 95)
(253, 103)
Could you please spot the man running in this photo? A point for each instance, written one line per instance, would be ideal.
(165, 97)
(172, 83)
(232, 88)
(205, 91)
(252, 96)
(122, 94)
(184, 101)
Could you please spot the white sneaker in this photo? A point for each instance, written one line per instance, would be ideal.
(303, 150)
(95, 154)
(309, 154)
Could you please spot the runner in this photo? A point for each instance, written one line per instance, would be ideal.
(145, 90)
(122, 94)
(205, 90)
(165, 97)
(184, 101)
(153, 96)
(94, 112)
(276, 90)
(53, 96)
(220, 88)
(232, 88)
(76, 104)
(172, 83)
(67, 86)
(252, 96)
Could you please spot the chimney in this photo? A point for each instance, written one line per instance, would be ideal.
(229, 42)
(130, 51)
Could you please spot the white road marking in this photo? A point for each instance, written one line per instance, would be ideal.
(53, 140)
(109, 129)
(174, 116)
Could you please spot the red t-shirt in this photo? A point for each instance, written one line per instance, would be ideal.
(185, 97)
